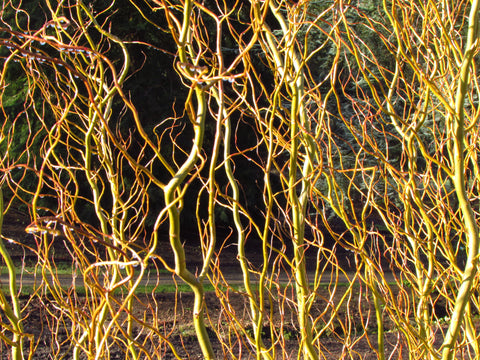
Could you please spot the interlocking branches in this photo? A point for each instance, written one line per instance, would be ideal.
(339, 142)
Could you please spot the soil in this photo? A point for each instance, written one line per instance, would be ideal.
(176, 326)
(168, 317)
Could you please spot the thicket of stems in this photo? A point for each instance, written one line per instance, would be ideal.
(363, 146)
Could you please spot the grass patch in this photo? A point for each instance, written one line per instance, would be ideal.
(81, 290)
(64, 268)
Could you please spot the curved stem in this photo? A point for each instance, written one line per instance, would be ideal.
(171, 202)
(13, 312)
(471, 227)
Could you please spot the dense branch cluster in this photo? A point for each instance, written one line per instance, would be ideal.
(338, 140)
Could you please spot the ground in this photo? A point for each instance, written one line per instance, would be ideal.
(177, 327)
(170, 316)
